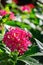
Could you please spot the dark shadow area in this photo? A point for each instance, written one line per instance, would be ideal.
(21, 2)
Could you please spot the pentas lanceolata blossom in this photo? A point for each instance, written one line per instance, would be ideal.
(11, 14)
(3, 12)
(17, 39)
(31, 6)
(27, 8)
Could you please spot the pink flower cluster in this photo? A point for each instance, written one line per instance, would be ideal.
(17, 39)
(27, 8)
(31, 6)
(12, 16)
(3, 12)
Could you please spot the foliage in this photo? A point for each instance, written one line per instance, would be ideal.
(26, 18)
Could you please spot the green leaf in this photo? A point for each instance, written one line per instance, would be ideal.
(28, 60)
(37, 54)
(1, 37)
(19, 24)
(40, 45)
(34, 49)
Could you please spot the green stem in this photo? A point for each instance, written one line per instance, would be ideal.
(14, 63)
